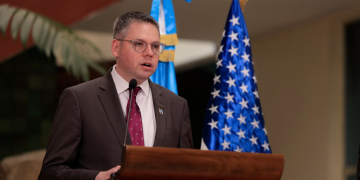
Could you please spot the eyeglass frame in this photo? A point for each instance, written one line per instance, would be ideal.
(132, 41)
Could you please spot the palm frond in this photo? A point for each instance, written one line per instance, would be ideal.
(73, 51)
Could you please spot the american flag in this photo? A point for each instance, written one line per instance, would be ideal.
(234, 119)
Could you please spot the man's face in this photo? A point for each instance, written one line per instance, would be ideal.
(131, 64)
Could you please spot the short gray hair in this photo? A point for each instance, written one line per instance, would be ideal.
(123, 22)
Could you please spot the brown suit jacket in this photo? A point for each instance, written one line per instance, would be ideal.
(89, 129)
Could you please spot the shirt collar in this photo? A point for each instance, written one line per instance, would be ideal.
(122, 85)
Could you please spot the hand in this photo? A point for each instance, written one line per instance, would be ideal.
(104, 175)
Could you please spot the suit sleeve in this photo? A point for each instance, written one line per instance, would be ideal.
(63, 147)
(186, 140)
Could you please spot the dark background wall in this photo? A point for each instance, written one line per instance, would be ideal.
(352, 97)
(27, 102)
(195, 86)
(30, 88)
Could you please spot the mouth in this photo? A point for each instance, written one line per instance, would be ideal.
(146, 64)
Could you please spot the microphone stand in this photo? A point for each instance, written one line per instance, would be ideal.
(132, 85)
(128, 116)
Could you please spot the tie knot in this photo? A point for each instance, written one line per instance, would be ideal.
(136, 90)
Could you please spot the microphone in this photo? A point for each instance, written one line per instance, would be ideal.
(132, 85)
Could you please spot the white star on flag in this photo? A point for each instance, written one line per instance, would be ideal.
(225, 144)
(226, 130)
(241, 134)
(243, 103)
(256, 94)
(213, 109)
(266, 146)
(229, 114)
(246, 57)
(229, 98)
(231, 67)
(233, 36)
(238, 150)
(253, 140)
(256, 109)
(242, 119)
(216, 79)
(233, 51)
(213, 124)
(234, 20)
(265, 131)
(255, 124)
(231, 82)
(218, 63)
(245, 72)
(223, 34)
(243, 88)
(221, 48)
(215, 93)
(246, 41)
(254, 79)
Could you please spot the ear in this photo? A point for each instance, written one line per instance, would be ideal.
(115, 48)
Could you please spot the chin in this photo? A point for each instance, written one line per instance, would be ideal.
(144, 77)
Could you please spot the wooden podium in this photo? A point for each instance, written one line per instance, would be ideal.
(173, 163)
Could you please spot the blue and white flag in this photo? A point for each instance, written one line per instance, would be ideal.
(234, 120)
(163, 12)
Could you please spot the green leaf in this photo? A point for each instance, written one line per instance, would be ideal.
(74, 52)
(16, 22)
(37, 31)
(73, 58)
(26, 26)
(86, 60)
(84, 69)
(3, 7)
(84, 42)
(89, 60)
(65, 55)
(50, 41)
(5, 18)
(45, 35)
(84, 45)
(58, 44)
(87, 50)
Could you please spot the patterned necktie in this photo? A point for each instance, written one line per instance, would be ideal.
(135, 123)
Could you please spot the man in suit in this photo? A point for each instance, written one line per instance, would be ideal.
(88, 132)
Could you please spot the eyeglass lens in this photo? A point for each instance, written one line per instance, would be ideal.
(140, 46)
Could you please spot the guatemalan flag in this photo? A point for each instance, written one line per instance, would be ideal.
(234, 120)
(163, 12)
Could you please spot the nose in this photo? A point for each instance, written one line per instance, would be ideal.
(148, 51)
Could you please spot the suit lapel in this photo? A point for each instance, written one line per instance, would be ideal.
(160, 113)
(111, 104)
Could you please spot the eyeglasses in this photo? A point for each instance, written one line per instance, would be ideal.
(140, 46)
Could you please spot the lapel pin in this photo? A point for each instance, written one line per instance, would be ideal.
(161, 111)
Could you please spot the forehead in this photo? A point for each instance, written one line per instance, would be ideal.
(143, 30)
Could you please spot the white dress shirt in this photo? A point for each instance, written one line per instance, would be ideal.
(145, 102)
